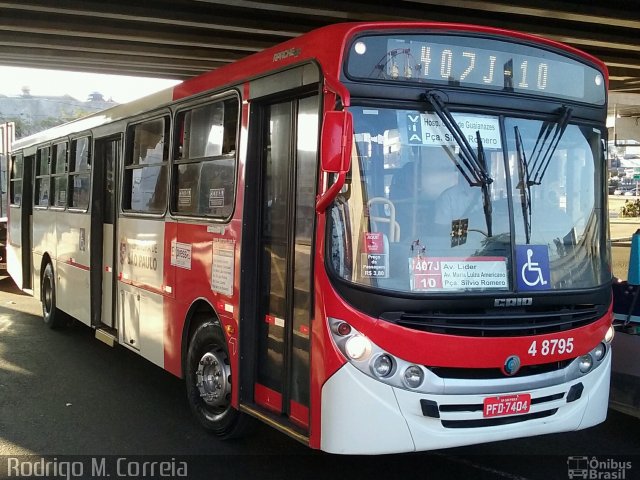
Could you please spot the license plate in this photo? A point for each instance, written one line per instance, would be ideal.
(507, 405)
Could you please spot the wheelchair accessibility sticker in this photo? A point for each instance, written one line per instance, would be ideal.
(532, 262)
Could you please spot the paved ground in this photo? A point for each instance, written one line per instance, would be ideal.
(66, 393)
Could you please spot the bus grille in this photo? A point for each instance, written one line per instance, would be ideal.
(490, 373)
(499, 322)
(492, 422)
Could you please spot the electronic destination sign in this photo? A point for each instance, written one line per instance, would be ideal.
(474, 62)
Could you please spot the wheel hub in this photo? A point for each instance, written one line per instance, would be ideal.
(212, 379)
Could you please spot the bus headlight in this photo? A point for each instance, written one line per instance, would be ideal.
(413, 376)
(358, 347)
(375, 362)
(382, 365)
(599, 351)
(586, 362)
(608, 337)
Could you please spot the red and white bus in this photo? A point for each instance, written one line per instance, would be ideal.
(376, 237)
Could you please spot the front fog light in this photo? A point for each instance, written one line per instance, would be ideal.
(599, 352)
(358, 347)
(586, 362)
(608, 337)
(382, 366)
(413, 376)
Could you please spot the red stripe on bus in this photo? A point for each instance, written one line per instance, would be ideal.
(267, 398)
(143, 286)
(299, 414)
(77, 265)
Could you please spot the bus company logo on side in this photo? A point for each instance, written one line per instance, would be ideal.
(513, 302)
(291, 52)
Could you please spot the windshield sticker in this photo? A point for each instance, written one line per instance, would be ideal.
(532, 262)
(375, 260)
(373, 242)
(459, 230)
(428, 130)
(428, 274)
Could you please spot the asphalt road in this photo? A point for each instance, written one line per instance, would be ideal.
(65, 393)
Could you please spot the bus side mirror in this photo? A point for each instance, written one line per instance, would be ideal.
(633, 276)
(335, 153)
(337, 140)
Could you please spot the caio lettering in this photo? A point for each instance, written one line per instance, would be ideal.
(513, 302)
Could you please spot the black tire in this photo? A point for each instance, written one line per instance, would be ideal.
(208, 382)
(50, 314)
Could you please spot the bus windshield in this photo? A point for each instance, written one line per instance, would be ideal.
(413, 218)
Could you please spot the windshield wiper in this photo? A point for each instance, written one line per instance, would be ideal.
(544, 148)
(476, 173)
(486, 194)
(523, 184)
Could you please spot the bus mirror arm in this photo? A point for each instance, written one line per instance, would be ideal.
(331, 193)
(332, 84)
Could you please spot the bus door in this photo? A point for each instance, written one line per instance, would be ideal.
(285, 256)
(103, 234)
(19, 245)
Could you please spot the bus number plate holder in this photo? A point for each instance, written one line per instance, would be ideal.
(506, 405)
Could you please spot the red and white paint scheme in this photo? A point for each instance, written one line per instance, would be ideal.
(376, 237)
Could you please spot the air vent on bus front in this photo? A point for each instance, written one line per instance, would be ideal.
(499, 323)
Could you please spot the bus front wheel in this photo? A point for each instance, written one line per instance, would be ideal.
(208, 382)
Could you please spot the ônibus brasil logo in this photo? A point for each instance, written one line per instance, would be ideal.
(593, 468)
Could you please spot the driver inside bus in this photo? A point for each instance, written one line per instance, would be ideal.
(458, 202)
(430, 192)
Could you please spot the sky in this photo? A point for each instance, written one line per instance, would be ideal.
(119, 88)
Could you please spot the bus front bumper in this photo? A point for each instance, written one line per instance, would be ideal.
(361, 415)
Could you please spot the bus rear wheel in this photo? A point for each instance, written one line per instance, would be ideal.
(50, 314)
(208, 382)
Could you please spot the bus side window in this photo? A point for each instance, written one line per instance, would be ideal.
(79, 174)
(43, 179)
(205, 160)
(15, 180)
(59, 171)
(145, 171)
